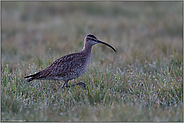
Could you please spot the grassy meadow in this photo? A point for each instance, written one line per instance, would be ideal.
(142, 81)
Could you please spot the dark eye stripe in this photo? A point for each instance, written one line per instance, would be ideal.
(89, 38)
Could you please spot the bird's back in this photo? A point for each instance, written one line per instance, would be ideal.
(65, 68)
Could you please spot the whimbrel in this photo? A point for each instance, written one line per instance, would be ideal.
(70, 66)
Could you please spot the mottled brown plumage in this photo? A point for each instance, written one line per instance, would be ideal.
(70, 66)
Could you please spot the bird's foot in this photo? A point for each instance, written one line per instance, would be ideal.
(79, 83)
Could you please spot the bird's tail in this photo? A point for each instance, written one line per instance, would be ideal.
(32, 77)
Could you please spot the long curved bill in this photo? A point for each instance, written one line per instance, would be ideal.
(106, 44)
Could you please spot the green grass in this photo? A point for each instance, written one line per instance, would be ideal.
(143, 81)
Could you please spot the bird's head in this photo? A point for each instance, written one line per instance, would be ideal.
(92, 40)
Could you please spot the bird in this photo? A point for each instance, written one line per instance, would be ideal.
(70, 66)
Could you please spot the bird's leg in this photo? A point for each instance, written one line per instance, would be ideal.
(66, 83)
(80, 83)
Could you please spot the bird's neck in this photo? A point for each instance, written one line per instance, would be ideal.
(87, 49)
